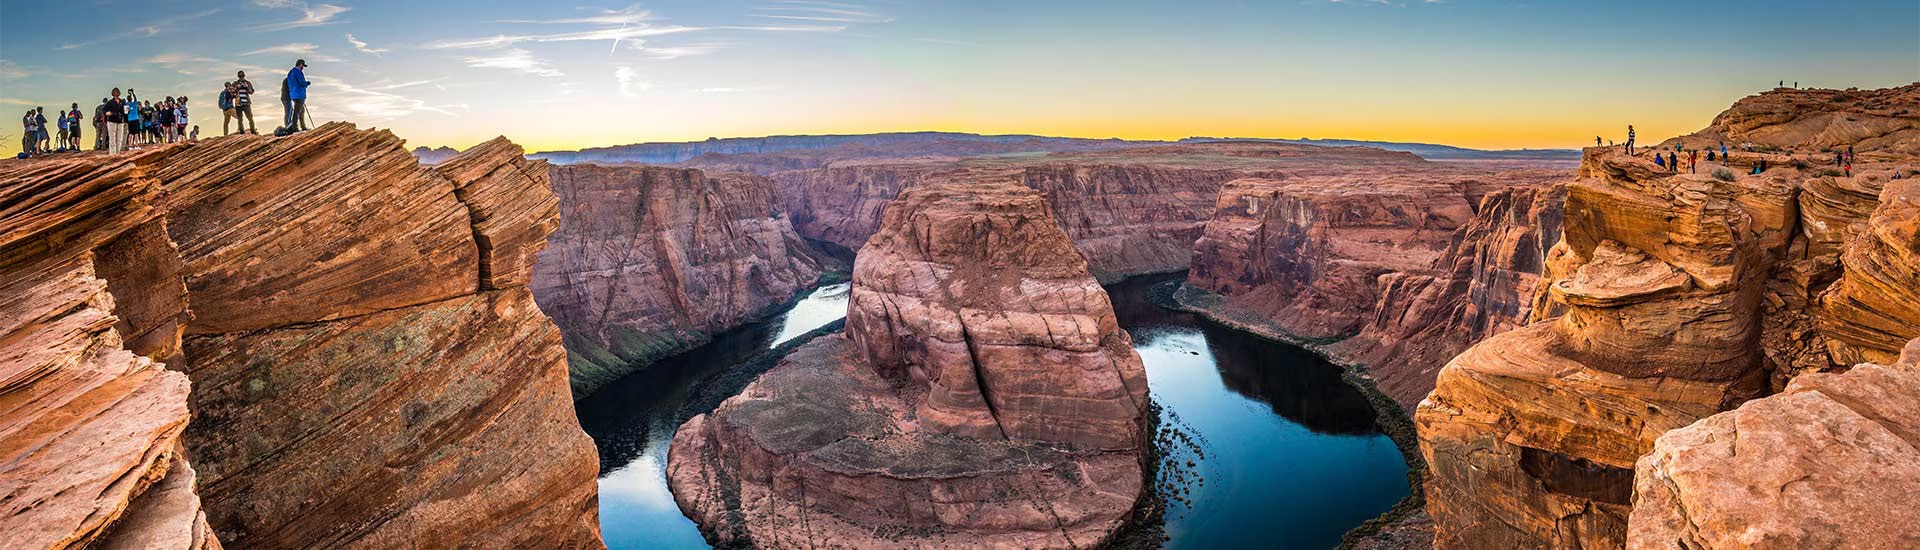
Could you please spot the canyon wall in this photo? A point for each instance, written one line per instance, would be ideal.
(1682, 295)
(368, 367)
(983, 395)
(1396, 270)
(91, 425)
(1129, 211)
(649, 262)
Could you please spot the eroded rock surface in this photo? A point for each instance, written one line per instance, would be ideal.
(1683, 294)
(983, 396)
(368, 367)
(1821, 465)
(649, 262)
(1129, 211)
(90, 424)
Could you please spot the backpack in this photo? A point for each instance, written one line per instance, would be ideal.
(226, 99)
(284, 95)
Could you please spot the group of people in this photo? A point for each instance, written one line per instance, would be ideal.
(123, 122)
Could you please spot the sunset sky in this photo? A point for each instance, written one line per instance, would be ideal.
(565, 75)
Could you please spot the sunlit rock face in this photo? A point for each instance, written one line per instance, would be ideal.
(983, 395)
(650, 261)
(1129, 211)
(1679, 297)
(367, 365)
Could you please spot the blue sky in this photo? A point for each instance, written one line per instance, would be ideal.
(567, 74)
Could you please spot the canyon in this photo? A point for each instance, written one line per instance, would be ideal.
(1696, 310)
(650, 261)
(351, 332)
(326, 339)
(982, 395)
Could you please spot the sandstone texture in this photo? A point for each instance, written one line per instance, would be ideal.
(90, 424)
(1823, 464)
(982, 396)
(1677, 295)
(1397, 270)
(1129, 211)
(649, 262)
(369, 368)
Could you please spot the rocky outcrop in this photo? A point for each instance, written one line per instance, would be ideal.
(984, 395)
(1684, 295)
(368, 367)
(649, 262)
(1129, 211)
(1396, 270)
(90, 424)
(1817, 466)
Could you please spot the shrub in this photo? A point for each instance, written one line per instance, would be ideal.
(1723, 174)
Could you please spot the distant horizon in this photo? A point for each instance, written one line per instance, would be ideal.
(1479, 74)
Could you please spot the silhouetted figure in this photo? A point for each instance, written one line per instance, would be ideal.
(1673, 162)
(1630, 137)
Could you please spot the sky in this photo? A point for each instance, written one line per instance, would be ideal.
(565, 74)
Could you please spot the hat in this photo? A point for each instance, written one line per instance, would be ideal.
(299, 62)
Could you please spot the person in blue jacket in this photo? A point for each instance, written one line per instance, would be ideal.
(297, 92)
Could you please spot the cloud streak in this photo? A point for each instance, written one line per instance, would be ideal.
(517, 60)
(363, 47)
(310, 15)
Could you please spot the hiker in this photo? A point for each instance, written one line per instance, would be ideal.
(1673, 162)
(28, 133)
(180, 117)
(60, 121)
(73, 135)
(1660, 161)
(1839, 157)
(1709, 155)
(40, 121)
(1693, 162)
(286, 109)
(226, 108)
(1723, 151)
(1629, 139)
(194, 135)
(1596, 141)
(1849, 154)
(165, 115)
(297, 89)
(133, 119)
(1849, 169)
(100, 125)
(116, 113)
(243, 103)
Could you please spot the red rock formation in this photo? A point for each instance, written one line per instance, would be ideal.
(649, 262)
(1129, 211)
(369, 367)
(1681, 294)
(984, 396)
(90, 425)
(1826, 464)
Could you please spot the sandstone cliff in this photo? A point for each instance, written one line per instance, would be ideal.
(1683, 295)
(649, 262)
(368, 367)
(90, 424)
(983, 396)
(1396, 270)
(1129, 211)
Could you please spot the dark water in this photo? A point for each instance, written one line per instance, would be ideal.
(1283, 453)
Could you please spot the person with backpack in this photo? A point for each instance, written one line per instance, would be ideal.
(73, 135)
(297, 91)
(116, 121)
(226, 108)
(135, 130)
(286, 110)
(40, 121)
(60, 121)
(100, 125)
(243, 103)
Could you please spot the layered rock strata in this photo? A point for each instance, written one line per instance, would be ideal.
(982, 396)
(649, 262)
(369, 368)
(1129, 212)
(1684, 295)
(1820, 465)
(90, 424)
(1394, 270)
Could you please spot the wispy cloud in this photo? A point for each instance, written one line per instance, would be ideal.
(515, 59)
(310, 15)
(629, 80)
(676, 52)
(156, 28)
(303, 50)
(363, 47)
(629, 16)
(812, 10)
(376, 102)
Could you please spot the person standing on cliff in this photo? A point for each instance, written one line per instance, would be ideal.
(1596, 141)
(243, 104)
(1693, 162)
(226, 108)
(1629, 139)
(1673, 162)
(116, 120)
(297, 92)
